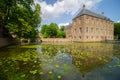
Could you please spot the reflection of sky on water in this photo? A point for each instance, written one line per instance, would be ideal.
(107, 72)
(111, 71)
(64, 61)
(68, 71)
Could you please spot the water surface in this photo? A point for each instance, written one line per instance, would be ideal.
(61, 61)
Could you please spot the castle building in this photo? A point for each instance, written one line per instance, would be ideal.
(89, 26)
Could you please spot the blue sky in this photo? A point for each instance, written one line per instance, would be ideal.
(63, 11)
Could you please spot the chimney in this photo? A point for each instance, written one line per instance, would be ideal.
(102, 13)
(83, 6)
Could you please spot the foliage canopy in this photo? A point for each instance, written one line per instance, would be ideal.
(21, 17)
(117, 30)
(52, 31)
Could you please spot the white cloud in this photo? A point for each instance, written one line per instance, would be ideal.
(54, 11)
(118, 21)
(63, 24)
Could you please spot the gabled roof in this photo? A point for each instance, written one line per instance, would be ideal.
(90, 13)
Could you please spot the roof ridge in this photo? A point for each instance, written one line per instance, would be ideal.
(91, 13)
(95, 12)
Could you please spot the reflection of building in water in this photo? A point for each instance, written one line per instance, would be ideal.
(91, 56)
(97, 48)
(90, 26)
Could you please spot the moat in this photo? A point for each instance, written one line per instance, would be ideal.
(61, 61)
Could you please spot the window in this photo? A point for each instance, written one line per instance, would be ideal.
(87, 17)
(92, 18)
(80, 29)
(86, 29)
(87, 37)
(75, 31)
(96, 30)
(91, 29)
(92, 37)
(80, 21)
(97, 37)
(80, 37)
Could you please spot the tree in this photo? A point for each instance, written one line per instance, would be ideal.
(62, 28)
(53, 29)
(117, 30)
(49, 30)
(43, 31)
(61, 34)
(21, 17)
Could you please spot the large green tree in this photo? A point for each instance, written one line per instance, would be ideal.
(61, 33)
(53, 29)
(43, 31)
(62, 28)
(50, 30)
(117, 30)
(21, 17)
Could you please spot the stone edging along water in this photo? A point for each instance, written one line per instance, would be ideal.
(55, 40)
(70, 40)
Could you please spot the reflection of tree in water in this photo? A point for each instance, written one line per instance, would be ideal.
(90, 62)
(65, 62)
(116, 48)
(87, 57)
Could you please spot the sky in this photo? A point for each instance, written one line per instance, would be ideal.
(63, 11)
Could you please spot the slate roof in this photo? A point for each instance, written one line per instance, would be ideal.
(90, 13)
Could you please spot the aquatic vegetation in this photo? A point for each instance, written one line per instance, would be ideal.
(41, 73)
(50, 72)
(58, 61)
(58, 76)
(57, 66)
(19, 63)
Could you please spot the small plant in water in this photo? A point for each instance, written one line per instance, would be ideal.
(59, 77)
